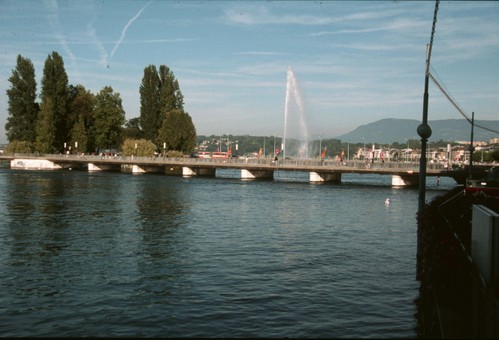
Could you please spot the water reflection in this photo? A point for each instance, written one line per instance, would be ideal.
(162, 208)
(33, 209)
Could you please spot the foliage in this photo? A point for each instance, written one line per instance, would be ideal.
(170, 96)
(109, 118)
(495, 155)
(178, 132)
(162, 116)
(138, 147)
(23, 109)
(79, 136)
(19, 147)
(70, 114)
(132, 129)
(149, 103)
(45, 129)
(55, 88)
(174, 154)
(81, 116)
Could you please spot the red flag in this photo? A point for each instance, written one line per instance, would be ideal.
(324, 152)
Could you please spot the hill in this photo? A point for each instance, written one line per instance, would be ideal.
(391, 130)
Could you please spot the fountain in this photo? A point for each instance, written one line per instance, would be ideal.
(300, 131)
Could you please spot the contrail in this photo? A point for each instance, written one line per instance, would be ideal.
(54, 21)
(123, 32)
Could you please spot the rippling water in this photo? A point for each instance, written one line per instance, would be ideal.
(110, 254)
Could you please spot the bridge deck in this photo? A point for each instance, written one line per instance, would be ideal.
(307, 165)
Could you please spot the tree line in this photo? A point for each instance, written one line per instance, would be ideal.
(70, 118)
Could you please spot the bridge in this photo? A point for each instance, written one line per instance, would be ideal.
(403, 173)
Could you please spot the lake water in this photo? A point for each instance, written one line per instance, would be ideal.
(111, 254)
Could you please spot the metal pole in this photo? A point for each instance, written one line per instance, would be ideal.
(471, 148)
(424, 130)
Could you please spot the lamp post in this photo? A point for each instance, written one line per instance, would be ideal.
(471, 148)
(424, 130)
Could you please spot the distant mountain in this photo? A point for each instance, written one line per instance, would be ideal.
(391, 130)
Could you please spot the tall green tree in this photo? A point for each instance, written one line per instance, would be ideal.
(178, 132)
(150, 118)
(177, 129)
(55, 88)
(160, 95)
(170, 96)
(23, 109)
(109, 118)
(81, 116)
(45, 129)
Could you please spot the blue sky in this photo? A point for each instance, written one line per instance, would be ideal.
(355, 62)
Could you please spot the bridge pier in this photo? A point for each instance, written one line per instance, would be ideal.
(136, 169)
(254, 174)
(188, 172)
(131, 168)
(36, 164)
(103, 167)
(317, 177)
(405, 180)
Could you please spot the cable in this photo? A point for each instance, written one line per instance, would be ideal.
(453, 102)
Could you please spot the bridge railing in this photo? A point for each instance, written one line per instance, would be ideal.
(297, 162)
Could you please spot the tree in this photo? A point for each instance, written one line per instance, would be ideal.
(159, 96)
(177, 129)
(170, 96)
(149, 103)
(109, 118)
(55, 88)
(132, 129)
(79, 136)
(23, 109)
(178, 132)
(495, 155)
(45, 129)
(19, 147)
(138, 147)
(81, 117)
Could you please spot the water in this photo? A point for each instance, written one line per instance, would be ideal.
(110, 254)
(298, 131)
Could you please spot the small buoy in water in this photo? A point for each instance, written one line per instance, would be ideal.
(387, 201)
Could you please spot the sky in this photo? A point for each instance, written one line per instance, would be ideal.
(354, 62)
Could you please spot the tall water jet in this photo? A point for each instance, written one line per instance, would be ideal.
(293, 92)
